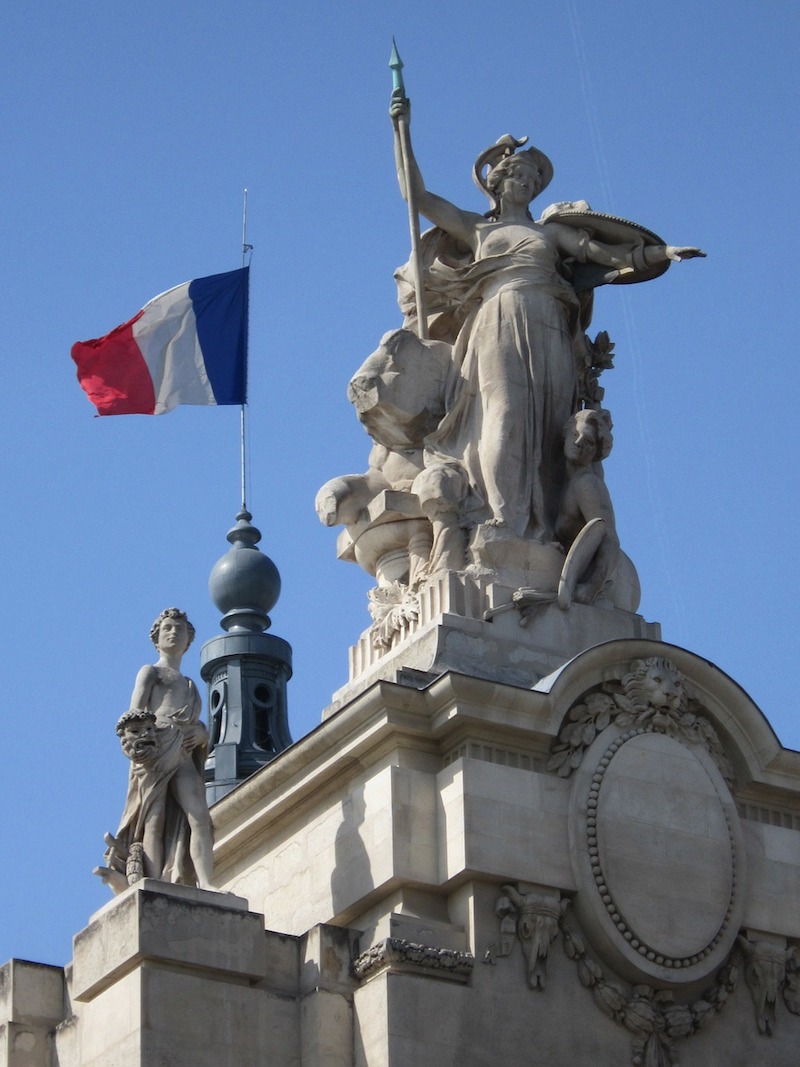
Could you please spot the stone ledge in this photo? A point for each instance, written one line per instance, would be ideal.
(227, 901)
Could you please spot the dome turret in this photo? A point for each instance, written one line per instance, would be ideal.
(245, 668)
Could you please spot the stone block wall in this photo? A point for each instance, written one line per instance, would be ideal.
(599, 871)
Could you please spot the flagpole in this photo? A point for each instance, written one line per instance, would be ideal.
(399, 93)
(244, 485)
(243, 420)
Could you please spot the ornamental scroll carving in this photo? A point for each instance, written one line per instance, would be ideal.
(651, 696)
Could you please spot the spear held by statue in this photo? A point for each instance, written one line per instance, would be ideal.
(400, 119)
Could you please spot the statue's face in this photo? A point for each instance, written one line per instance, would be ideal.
(173, 635)
(580, 445)
(520, 184)
(139, 740)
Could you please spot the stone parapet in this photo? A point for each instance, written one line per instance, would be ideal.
(32, 999)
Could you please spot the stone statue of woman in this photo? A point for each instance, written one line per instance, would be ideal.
(514, 296)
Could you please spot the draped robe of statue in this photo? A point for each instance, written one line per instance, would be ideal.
(514, 381)
(150, 797)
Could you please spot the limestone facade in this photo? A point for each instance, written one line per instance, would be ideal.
(602, 869)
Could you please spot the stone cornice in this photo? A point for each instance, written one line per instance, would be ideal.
(378, 722)
(456, 708)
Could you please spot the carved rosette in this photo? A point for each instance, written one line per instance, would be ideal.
(399, 955)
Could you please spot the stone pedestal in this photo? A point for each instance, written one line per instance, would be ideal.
(168, 974)
(470, 624)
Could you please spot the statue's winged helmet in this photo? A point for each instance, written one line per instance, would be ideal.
(503, 149)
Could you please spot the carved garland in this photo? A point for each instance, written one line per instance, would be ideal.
(396, 950)
(651, 1014)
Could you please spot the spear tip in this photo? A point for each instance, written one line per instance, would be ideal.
(396, 67)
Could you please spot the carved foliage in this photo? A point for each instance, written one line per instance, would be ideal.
(651, 696)
(430, 958)
(598, 356)
(391, 607)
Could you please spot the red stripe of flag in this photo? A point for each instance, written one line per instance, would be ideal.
(113, 373)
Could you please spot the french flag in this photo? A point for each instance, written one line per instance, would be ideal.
(186, 346)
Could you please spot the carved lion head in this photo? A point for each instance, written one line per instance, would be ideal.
(655, 683)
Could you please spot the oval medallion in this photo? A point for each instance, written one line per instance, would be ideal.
(656, 853)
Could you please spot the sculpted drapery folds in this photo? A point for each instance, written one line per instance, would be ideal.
(165, 830)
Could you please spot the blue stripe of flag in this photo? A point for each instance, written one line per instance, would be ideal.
(220, 304)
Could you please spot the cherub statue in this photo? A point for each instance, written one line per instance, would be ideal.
(586, 514)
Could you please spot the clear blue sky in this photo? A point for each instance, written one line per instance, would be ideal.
(131, 131)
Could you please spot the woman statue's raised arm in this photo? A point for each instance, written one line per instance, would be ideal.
(448, 217)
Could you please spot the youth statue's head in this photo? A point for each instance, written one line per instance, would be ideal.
(171, 629)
